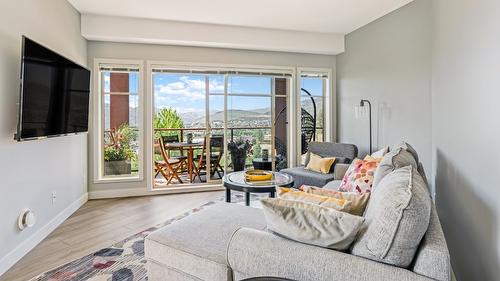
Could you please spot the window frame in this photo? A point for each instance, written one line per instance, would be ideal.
(98, 121)
(329, 97)
(188, 66)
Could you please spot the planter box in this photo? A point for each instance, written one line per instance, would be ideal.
(115, 168)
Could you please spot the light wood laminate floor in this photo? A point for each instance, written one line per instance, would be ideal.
(101, 223)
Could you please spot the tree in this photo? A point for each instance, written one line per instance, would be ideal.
(167, 118)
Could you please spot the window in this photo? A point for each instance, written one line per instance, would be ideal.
(120, 122)
(314, 94)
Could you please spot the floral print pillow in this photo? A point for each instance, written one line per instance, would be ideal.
(359, 176)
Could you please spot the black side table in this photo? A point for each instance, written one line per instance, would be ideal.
(261, 164)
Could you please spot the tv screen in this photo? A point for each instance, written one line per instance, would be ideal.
(55, 94)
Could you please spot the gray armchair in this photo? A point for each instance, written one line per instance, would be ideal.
(344, 153)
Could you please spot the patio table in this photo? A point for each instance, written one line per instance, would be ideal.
(190, 157)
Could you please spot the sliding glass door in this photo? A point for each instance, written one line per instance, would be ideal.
(209, 123)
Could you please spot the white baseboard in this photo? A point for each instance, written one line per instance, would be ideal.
(27, 245)
(136, 192)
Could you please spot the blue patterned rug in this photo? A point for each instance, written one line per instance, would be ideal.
(123, 261)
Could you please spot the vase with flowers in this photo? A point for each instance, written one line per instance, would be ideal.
(239, 150)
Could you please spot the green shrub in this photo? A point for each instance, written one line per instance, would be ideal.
(167, 118)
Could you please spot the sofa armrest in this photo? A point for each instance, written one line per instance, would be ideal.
(254, 253)
(339, 170)
(433, 257)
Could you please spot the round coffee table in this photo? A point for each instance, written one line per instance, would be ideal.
(236, 181)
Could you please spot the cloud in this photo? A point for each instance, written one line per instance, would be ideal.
(185, 90)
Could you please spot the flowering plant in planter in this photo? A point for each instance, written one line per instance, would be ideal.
(239, 150)
(118, 152)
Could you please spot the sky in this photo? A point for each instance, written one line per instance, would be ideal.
(186, 93)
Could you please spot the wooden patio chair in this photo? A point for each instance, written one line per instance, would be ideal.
(169, 168)
(181, 157)
(216, 152)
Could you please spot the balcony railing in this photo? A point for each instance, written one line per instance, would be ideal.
(183, 131)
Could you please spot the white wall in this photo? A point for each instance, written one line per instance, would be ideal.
(466, 132)
(388, 63)
(30, 171)
(188, 54)
(165, 32)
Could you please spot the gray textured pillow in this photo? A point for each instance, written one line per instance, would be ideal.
(397, 218)
(310, 223)
(393, 160)
(406, 146)
(380, 153)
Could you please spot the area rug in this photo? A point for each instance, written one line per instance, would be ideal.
(123, 261)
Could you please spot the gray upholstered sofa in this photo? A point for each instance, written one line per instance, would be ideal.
(227, 241)
(344, 153)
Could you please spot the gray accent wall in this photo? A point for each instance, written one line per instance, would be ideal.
(388, 63)
(432, 70)
(30, 171)
(466, 132)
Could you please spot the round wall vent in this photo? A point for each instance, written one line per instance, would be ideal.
(26, 219)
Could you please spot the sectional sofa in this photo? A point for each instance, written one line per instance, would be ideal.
(226, 242)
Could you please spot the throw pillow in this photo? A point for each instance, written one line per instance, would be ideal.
(310, 223)
(359, 176)
(320, 164)
(393, 160)
(358, 201)
(304, 159)
(380, 153)
(339, 204)
(406, 146)
(396, 219)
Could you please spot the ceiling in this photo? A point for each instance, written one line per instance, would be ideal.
(326, 16)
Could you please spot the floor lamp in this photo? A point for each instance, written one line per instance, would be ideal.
(362, 104)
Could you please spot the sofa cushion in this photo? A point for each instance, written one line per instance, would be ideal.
(196, 245)
(304, 159)
(380, 153)
(339, 204)
(310, 223)
(330, 149)
(359, 176)
(302, 176)
(397, 217)
(320, 164)
(406, 146)
(333, 185)
(393, 160)
(358, 201)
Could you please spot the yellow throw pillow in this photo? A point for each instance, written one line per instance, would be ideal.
(324, 201)
(358, 201)
(320, 164)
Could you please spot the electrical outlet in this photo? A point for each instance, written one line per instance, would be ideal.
(54, 197)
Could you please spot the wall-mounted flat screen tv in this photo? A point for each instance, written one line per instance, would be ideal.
(55, 91)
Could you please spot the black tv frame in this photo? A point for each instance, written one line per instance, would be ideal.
(17, 135)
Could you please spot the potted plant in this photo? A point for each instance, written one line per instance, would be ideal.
(239, 150)
(118, 153)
